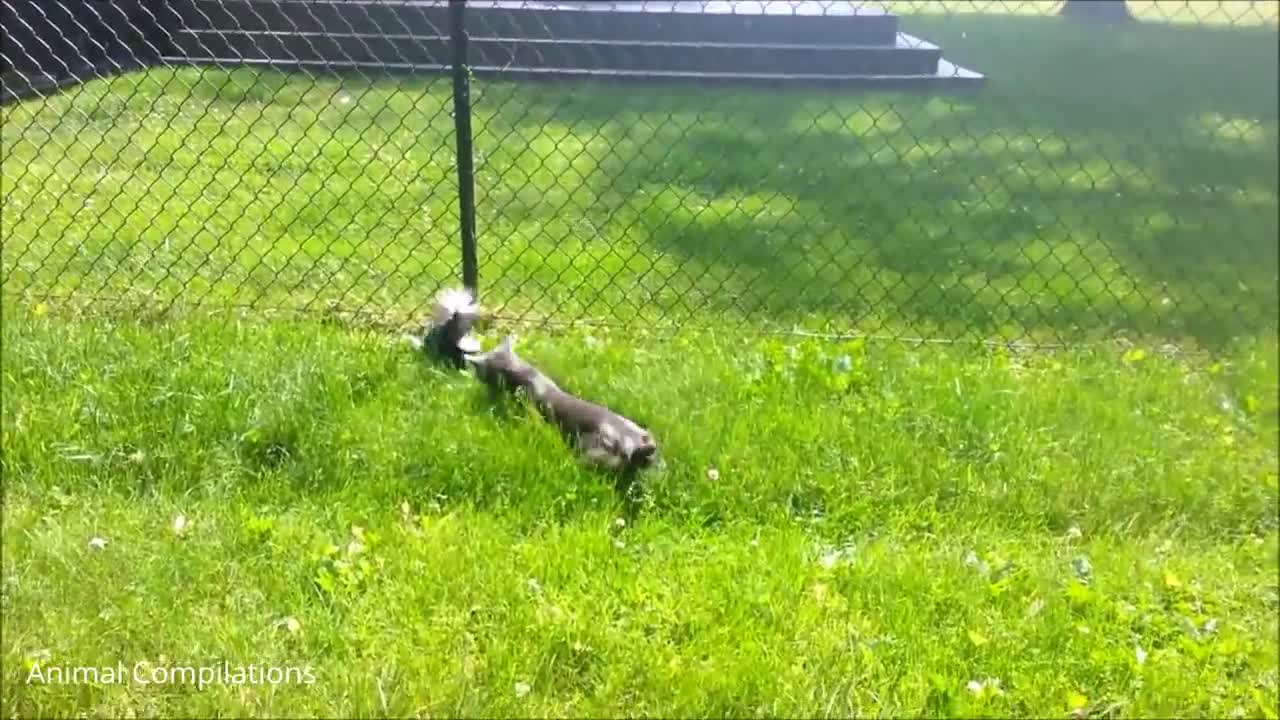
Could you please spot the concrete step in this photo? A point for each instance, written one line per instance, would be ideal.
(795, 22)
(907, 56)
(947, 78)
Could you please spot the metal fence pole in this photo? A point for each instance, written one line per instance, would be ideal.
(462, 125)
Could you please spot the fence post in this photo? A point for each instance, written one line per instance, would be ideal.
(462, 127)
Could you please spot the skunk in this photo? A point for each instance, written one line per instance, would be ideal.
(448, 332)
(601, 436)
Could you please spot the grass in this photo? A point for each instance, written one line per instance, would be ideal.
(1088, 190)
(1193, 12)
(838, 528)
(883, 528)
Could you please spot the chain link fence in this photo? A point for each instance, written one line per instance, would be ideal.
(1043, 172)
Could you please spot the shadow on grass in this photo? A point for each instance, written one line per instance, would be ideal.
(1104, 181)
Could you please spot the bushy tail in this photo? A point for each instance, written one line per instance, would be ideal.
(448, 333)
(454, 303)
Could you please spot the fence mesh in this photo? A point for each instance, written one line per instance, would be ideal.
(1038, 171)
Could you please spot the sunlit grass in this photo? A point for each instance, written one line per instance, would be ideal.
(837, 529)
(1061, 203)
(1234, 13)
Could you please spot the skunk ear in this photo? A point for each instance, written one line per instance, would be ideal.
(507, 343)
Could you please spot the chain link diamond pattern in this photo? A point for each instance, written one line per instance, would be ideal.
(950, 171)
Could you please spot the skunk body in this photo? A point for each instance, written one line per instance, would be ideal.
(602, 436)
(448, 332)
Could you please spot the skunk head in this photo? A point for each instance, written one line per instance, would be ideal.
(501, 368)
(637, 448)
(642, 455)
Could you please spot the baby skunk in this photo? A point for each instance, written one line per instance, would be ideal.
(448, 332)
(602, 436)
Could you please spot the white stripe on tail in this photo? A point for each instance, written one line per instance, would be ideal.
(453, 301)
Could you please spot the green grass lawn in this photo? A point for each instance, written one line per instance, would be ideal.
(1102, 182)
(837, 528)
(881, 530)
(1232, 13)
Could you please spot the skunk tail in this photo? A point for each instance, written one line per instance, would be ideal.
(448, 334)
